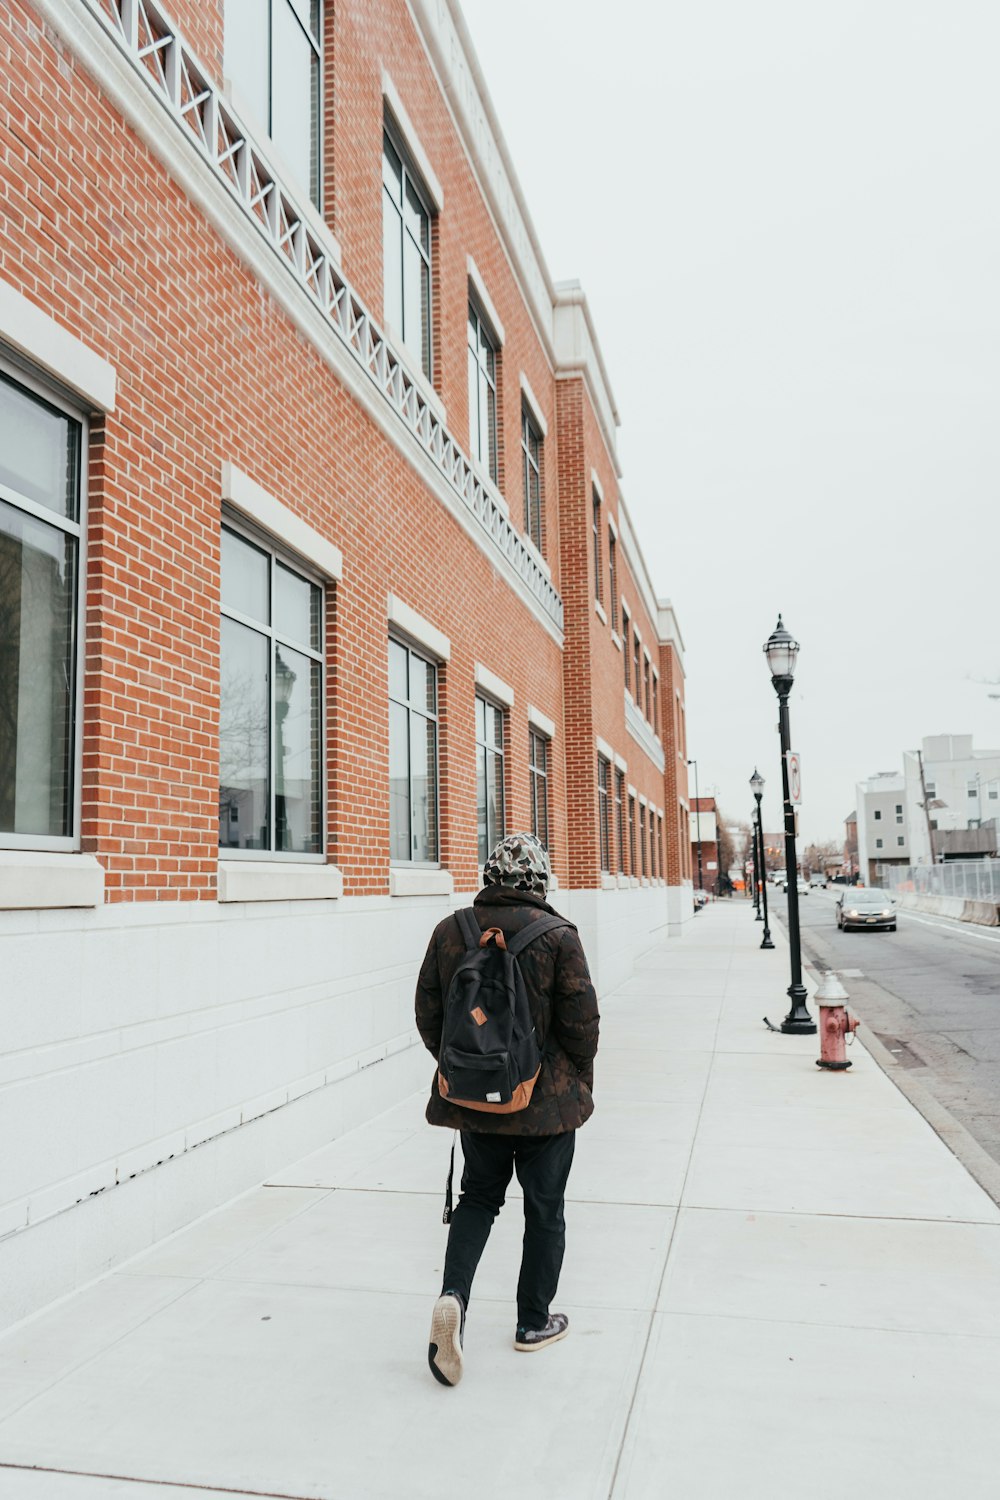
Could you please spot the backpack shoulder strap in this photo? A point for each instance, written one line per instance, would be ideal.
(532, 930)
(471, 930)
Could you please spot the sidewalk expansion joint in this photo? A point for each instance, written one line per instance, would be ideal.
(169, 1484)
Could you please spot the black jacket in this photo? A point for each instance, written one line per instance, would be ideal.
(563, 1007)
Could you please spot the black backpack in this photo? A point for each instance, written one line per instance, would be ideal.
(490, 1057)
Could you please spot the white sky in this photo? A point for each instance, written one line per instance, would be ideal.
(787, 222)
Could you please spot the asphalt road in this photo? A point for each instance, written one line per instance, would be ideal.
(930, 991)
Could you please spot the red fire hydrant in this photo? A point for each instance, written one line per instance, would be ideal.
(834, 1024)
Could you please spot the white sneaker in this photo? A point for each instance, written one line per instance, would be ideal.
(444, 1351)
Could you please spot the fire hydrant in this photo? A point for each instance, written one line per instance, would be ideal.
(834, 1024)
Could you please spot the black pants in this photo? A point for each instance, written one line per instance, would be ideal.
(542, 1165)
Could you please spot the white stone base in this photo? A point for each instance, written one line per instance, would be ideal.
(160, 1058)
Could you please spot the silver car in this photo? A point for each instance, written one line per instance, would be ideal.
(866, 906)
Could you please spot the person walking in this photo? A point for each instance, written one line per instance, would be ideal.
(534, 1137)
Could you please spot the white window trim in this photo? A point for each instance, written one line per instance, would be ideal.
(405, 128)
(78, 529)
(280, 522)
(604, 749)
(598, 486)
(495, 686)
(541, 722)
(600, 611)
(481, 296)
(417, 629)
(612, 528)
(34, 881)
(621, 763)
(534, 407)
(55, 351)
(269, 880)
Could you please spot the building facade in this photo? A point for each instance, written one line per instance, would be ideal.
(961, 788)
(883, 837)
(316, 576)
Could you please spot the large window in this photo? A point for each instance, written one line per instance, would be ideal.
(406, 255)
(531, 457)
(604, 810)
(538, 769)
(273, 54)
(482, 394)
(613, 577)
(271, 702)
(489, 775)
(642, 841)
(625, 650)
(620, 817)
(41, 454)
(413, 756)
(633, 866)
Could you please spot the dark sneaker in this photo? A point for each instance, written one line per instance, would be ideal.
(444, 1352)
(530, 1339)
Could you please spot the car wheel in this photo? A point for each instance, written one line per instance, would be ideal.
(892, 928)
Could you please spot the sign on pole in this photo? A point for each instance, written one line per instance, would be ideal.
(794, 778)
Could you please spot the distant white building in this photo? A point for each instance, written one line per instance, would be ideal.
(962, 795)
(883, 824)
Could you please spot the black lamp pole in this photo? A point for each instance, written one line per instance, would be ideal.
(757, 786)
(756, 866)
(782, 652)
(697, 820)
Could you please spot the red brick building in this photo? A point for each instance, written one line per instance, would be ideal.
(315, 577)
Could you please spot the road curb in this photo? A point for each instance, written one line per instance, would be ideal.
(976, 1161)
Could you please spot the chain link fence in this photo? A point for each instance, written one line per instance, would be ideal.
(968, 879)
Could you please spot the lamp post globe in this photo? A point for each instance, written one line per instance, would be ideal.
(782, 652)
(757, 787)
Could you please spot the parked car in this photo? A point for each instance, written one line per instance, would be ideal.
(800, 885)
(817, 880)
(867, 906)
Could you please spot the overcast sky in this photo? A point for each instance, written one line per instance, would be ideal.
(786, 219)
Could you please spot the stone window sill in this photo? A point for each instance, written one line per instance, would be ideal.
(33, 881)
(271, 880)
(414, 881)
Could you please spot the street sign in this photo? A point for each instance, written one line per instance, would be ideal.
(794, 778)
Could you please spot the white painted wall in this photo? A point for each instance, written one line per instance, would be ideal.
(159, 1059)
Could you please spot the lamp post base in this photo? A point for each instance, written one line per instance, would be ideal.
(798, 1022)
(766, 941)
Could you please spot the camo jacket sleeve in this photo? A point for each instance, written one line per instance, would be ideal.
(575, 1016)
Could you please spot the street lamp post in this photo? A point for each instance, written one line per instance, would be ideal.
(756, 866)
(697, 821)
(782, 650)
(757, 787)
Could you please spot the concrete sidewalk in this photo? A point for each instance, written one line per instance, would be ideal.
(779, 1281)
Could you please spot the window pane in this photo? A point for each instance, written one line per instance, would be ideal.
(417, 220)
(298, 797)
(246, 49)
(37, 661)
(482, 832)
(244, 733)
(494, 798)
(423, 780)
(423, 679)
(392, 264)
(294, 96)
(416, 303)
(399, 782)
(246, 572)
(474, 406)
(39, 451)
(496, 735)
(296, 607)
(392, 171)
(397, 671)
(480, 720)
